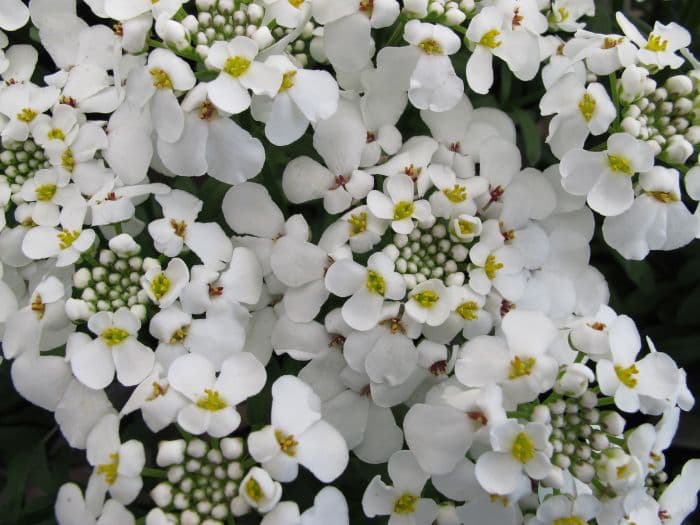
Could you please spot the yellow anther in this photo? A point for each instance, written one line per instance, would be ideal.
(161, 80)
(160, 285)
(426, 298)
(109, 470)
(114, 335)
(523, 448)
(376, 283)
(358, 223)
(287, 443)
(211, 401)
(403, 210)
(456, 194)
(236, 66)
(521, 367)
(587, 106)
(490, 39)
(492, 266)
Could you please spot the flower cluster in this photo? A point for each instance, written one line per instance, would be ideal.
(291, 241)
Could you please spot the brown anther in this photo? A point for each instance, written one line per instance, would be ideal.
(506, 306)
(178, 227)
(394, 325)
(118, 29)
(341, 181)
(111, 196)
(664, 515)
(38, 307)
(337, 341)
(371, 137)
(508, 235)
(517, 18)
(69, 101)
(438, 368)
(496, 194)
(597, 326)
(412, 172)
(560, 50)
(478, 417)
(215, 291)
(366, 391)
(207, 111)
(455, 147)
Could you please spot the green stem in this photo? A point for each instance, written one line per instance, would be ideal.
(605, 401)
(398, 30)
(189, 53)
(617, 441)
(616, 101)
(149, 472)
(118, 228)
(87, 257)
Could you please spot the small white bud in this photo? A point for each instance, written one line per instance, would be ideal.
(418, 8)
(189, 517)
(632, 126)
(262, 36)
(124, 245)
(171, 452)
(455, 278)
(454, 17)
(678, 151)
(176, 473)
(78, 310)
(239, 506)
(255, 12)
(181, 501)
(391, 251)
(584, 472)
(679, 85)
(81, 278)
(599, 441)
(459, 253)
(191, 23)
(162, 494)
(149, 263)
(541, 414)
(231, 448)
(89, 295)
(693, 134)
(139, 311)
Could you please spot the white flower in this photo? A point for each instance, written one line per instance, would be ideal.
(680, 497)
(402, 501)
(604, 54)
(164, 286)
(565, 13)
(660, 48)
(433, 84)
(518, 450)
(55, 198)
(213, 399)
(155, 84)
(72, 509)
(259, 490)
(559, 508)
(630, 381)
(605, 177)
(65, 244)
(298, 435)
(580, 110)
(284, 12)
(13, 15)
(429, 302)
(359, 228)
(117, 465)
(239, 72)
(115, 348)
(211, 143)
(305, 96)
(398, 205)
(22, 104)
(368, 288)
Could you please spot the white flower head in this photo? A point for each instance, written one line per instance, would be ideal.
(398, 204)
(164, 286)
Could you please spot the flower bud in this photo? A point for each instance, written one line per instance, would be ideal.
(189, 517)
(78, 310)
(81, 278)
(231, 448)
(124, 245)
(171, 452)
(262, 36)
(678, 151)
(631, 126)
(162, 494)
(239, 506)
(418, 8)
(679, 85)
(454, 17)
(139, 311)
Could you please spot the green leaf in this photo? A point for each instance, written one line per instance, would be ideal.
(530, 134)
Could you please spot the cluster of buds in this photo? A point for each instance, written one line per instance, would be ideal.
(109, 283)
(448, 12)
(428, 254)
(223, 20)
(668, 117)
(19, 161)
(202, 481)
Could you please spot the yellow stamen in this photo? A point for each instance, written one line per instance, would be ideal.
(160, 285)
(56, 134)
(626, 375)
(376, 283)
(66, 238)
(491, 267)
(620, 165)
(114, 335)
(109, 470)
(468, 310)
(68, 160)
(26, 115)
(489, 39)
(426, 298)
(161, 80)
(456, 194)
(236, 66)
(45, 192)
(521, 367)
(523, 448)
(403, 210)
(287, 443)
(656, 43)
(358, 223)
(587, 106)
(288, 80)
(405, 504)
(212, 401)
(431, 46)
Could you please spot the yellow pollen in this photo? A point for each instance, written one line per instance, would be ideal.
(430, 46)
(523, 448)
(405, 504)
(426, 298)
(287, 443)
(114, 335)
(626, 375)
(521, 367)
(502, 499)
(161, 80)
(656, 43)
(456, 194)
(358, 223)
(598, 326)
(403, 210)
(253, 489)
(56, 134)
(663, 196)
(179, 335)
(212, 401)
(158, 391)
(109, 470)
(376, 283)
(610, 42)
(38, 307)
(489, 39)
(465, 227)
(68, 160)
(288, 80)
(622, 471)
(491, 267)
(587, 106)
(207, 110)
(67, 237)
(296, 3)
(179, 227)
(160, 285)
(26, 115)
(620, 165)
(236, 66)
(468, 310)
(571, 520)
(367, 7)
(563, 14)
(45, 192)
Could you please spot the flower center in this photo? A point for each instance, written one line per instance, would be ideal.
(296, 3)
(253, 490)
(626, 375)
(403, 210)
(465, 227)
(456, 194)
(114, 335)
(358, 223)
(56, 134)
(160, 285)
(468, 310)
(489, 39)
(68, 160)
(236, 66)
(430, 46)
(478, 417)
(521, 367)
(620, 165)
(405, 504)
(523, 448)
(287, 80)
(571, 520)
(38, 307)
(211, 401)
(179, 227)
(656, 43)
(367, 7)
(611, 42)
(179, 335)
(45, 192)
(492, 266)
(375, 283)
(598, 326)
(26, 115)
(587, 106)
(563, 14)
(109, 470)
(207, 111)
(157, 391)
(161, 80)
(287, 443)
(663, 196)
(66, 238)
(426, 298)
